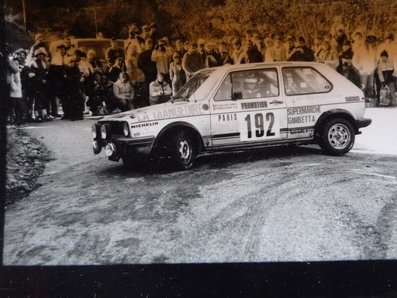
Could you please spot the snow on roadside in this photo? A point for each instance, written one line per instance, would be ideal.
(380, 137)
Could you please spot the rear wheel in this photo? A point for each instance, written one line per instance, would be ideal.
(182, 151)
(337, 136)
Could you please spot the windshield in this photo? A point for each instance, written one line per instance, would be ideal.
(192, 85)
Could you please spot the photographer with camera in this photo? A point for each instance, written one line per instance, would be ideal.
(162, 58)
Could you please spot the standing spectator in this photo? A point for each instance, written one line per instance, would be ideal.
(192, 61)
(253, 55)
(346, 51)
(137, 77)
(327, 55)
(211, 55)
(238, 54)
(148, 67)
(21, 55)
(339, 39)
(16, 104)
(114, 52)
(317, 47)
(145, 33)
(86, 80)
(389, 45)
(385, 74)
(69, 47)
(154, 35)
(56, 84)
(277, 52)
(162, 58)
(177, 74)
(180, 47)
(116, 69)
(289, 46)
(224, 57)
(159, 90)
(124, 92)
(38, 81)
(134, 39)
(301, 52)
(365, 60)
(73, 105)
(39, 42)
(358, 41)
(347, 69)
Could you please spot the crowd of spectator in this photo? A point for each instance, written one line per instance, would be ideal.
(149, 69)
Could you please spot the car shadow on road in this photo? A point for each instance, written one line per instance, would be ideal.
(282, 156)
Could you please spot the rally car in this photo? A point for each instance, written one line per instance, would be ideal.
(239, 107)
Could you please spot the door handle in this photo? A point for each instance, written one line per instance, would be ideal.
(275, 102)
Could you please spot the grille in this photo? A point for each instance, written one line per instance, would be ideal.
(116, 127)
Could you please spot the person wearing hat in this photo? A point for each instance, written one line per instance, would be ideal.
(365, 59)
(39, 42)
(385, 74)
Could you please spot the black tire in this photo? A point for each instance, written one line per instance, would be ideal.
(182, 151)
(337, 137)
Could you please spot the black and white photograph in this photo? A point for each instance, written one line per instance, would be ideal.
(199, 132)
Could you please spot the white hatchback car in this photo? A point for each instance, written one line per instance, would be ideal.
(239, 107)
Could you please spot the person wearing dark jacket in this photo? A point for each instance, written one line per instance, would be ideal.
(253, 54)
(73, 107)
(148, 67)
(347, 69)
(301, 52)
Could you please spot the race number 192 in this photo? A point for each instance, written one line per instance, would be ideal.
(257, 126)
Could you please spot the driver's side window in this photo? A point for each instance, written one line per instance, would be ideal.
(225, 90)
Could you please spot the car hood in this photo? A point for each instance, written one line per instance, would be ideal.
(160, 111)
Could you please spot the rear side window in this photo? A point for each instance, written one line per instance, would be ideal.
(249, 84)
(304, 80)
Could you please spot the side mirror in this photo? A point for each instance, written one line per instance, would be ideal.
(237, 95)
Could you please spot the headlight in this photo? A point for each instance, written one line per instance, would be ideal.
(126, 129)
(96, 147)
(94, 131)
(105, 131)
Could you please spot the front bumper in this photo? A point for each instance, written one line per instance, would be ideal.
(123, 146)
(363, 122)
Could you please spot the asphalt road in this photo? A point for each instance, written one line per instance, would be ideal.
(270, 205)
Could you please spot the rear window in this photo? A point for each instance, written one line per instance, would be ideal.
(304, 80)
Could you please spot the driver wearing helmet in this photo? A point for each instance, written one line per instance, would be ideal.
(251, 87)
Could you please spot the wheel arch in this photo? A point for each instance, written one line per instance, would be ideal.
(179, 126)
(332, 114)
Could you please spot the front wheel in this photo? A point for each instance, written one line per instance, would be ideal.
(183, 151)
(337, 136)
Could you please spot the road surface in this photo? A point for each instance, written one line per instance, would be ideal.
(269, 205)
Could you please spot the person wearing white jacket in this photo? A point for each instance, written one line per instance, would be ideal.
(124, 92)
(17, 108)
